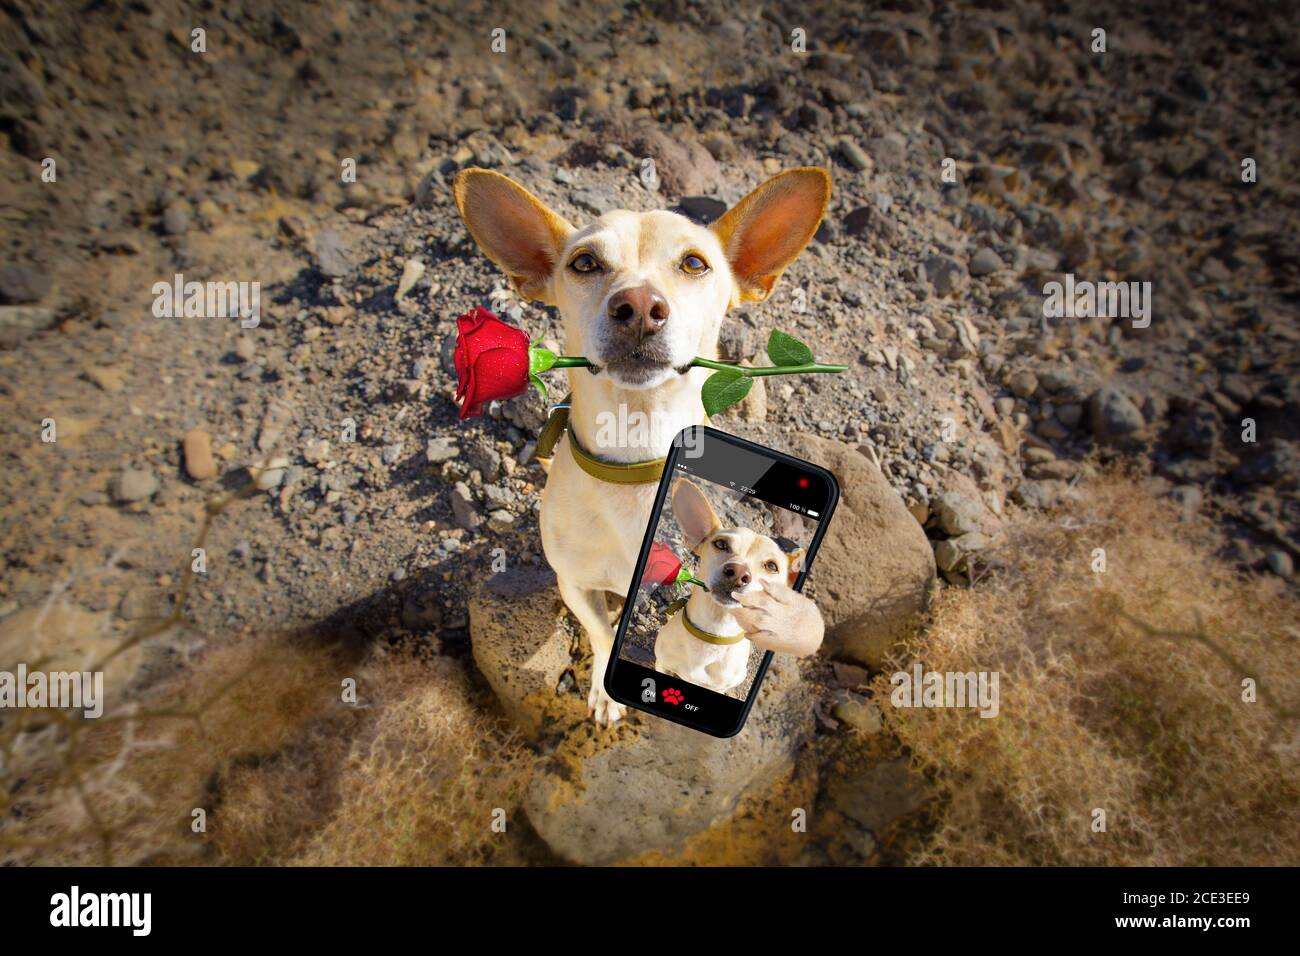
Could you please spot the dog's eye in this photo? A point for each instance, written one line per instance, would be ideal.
(585, 262)
(721, 544)
(771, 566)
(693, 265)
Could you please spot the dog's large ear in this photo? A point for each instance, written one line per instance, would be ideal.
(794, 565)
(513, 227)
(694, 514)
(766, 231)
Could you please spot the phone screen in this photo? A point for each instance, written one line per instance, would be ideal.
(731, 517)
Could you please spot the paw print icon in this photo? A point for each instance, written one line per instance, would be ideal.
(673, 696)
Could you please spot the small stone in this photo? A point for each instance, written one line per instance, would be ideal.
(441, 449)
(986, 262)
(1112, 414)
(702, 209)
(197, 447)
(22, 284)
(1059, 470)
(273, 474)
(245, 350)
(859, 713)
(19, 322)
(1280, 563)
(1023, 383)
(244, 168)
(412, 272)
(315, 451)
(945, 273)
(134, 484)
(332, 255)
(959, 514)
(107, 378)
(501, 520)
(463, 507)
(1069, 414)
(850, 675)
(391, 453)
(176, 220)
(857, 157)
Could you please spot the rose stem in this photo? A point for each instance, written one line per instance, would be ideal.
(577, 361)
(768, 369)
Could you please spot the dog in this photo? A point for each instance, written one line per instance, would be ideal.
(640, 295)
(704, 643)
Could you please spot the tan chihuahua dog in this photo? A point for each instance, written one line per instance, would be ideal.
(704, 642)
(640, 295)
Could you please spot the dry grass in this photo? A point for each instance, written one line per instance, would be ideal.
(1098, 711)
(259, 738)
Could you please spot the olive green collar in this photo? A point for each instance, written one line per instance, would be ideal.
(619, 473)
(707, 636)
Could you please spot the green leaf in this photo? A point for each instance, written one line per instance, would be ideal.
(785, 349)
(723, 389)
(538, 383)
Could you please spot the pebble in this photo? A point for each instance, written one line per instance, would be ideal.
(858, 157)
(945, 273)
(1112, 414)
(19, 322)
(1023, 383)
(412, 272)
(176, 220)
(859, 713)
(986, 262)
(197, 447)
(22, 284)
(441, 449)
(316, 450)
(134, 484)
(463, 508)
(958, 514)
(332, 255)
(1280, 563)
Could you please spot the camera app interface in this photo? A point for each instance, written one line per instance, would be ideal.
(732, 525)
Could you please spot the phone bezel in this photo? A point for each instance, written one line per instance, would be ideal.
(712, 435)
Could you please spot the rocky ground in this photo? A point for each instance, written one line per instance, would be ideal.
(378, 514)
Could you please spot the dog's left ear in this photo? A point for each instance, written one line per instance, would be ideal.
(795, 559)
(695, 516)
(514, 228)
(766, 231)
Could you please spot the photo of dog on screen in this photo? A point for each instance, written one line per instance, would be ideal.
(734, 545)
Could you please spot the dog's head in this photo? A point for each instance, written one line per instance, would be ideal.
(641, 294)
(731, 559)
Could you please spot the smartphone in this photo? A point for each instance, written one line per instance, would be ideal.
(729, 515)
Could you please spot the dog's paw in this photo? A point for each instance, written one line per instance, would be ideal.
(603, 708)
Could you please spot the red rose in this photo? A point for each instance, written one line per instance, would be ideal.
(491, 361)
(662, 566)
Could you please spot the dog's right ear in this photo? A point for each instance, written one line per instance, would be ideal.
(513, 227)
(766, 231)
(694, 514)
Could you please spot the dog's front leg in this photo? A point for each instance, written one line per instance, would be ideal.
(588, 606)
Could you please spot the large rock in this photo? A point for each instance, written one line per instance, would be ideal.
(606, 797)
(519, 644)
(875, 568)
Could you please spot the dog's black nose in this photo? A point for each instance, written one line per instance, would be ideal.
(638, 312)
(736, 573)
